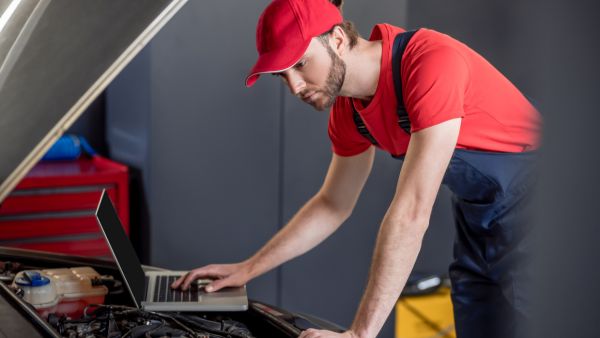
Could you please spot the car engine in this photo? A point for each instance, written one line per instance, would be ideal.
(125, 322)
(74, 317)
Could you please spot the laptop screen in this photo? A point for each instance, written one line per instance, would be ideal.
(122, 250)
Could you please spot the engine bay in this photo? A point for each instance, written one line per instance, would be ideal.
(65, 298)
(90, 301)
(123, 321)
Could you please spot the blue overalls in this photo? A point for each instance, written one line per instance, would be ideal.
(491, 196)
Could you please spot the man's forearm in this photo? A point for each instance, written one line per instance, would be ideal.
(398, 244)
(314, 222)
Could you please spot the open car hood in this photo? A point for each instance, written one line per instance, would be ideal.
(56, 57)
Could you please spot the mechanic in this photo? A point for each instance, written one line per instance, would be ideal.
(430, 100)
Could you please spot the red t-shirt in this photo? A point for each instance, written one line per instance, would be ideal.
(442, 79)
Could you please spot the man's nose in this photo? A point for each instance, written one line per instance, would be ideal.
(295, 83)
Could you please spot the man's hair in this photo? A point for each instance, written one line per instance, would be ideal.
(349, 30)
(347, 26)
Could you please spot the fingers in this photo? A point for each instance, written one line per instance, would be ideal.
(184, 281)
(314, 333)
(190, 277)
(179, 280)
(309, 333)
(304, 334)
(225, 275)
(219, 284)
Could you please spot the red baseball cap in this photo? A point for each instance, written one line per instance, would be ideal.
(284, 31)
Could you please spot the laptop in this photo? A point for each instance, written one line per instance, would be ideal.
(151, 290)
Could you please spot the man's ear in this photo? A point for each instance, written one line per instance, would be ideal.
(339, 40)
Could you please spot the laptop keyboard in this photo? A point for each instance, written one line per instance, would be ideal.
(164, 293)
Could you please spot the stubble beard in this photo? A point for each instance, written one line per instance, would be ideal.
(335, 80)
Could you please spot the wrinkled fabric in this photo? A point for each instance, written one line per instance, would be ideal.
(490, 276)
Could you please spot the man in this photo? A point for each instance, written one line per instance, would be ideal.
(450, 115)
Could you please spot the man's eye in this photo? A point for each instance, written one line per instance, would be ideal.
(301, 64)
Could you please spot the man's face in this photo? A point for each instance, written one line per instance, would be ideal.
(318, 77)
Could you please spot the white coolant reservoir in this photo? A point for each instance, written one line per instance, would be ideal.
(75, 289)
(38, 290)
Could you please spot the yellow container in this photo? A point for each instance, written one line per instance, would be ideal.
(425, 316)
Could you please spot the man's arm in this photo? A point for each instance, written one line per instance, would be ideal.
(402, 229)
(401, 232)
(312, 224)
(321, 215)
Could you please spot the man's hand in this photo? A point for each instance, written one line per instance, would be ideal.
(314, 333)
(224, 275)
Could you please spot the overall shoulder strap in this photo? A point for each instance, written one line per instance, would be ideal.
(361, 127)
(400, 43)
(398, 48)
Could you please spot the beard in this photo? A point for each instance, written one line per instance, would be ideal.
(333, 85)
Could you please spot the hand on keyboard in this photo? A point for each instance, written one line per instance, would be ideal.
(224, 275)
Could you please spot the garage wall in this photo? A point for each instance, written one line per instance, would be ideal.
(559, 38)
(490, 27)
(205, 148)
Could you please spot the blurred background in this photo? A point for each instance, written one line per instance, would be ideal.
(216, 169)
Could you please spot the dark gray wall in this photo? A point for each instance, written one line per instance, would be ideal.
(486, 26)
(205, 148)
(128, 132)
(213, 190)
(563, 39)
(92, 125)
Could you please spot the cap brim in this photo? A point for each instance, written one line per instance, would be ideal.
(276, 61)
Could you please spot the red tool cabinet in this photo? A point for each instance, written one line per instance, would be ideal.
(52, 208)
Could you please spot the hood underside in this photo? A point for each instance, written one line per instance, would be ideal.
(56, 57)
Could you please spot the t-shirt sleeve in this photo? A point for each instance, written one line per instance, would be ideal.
(434, 86)
(345, 138)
